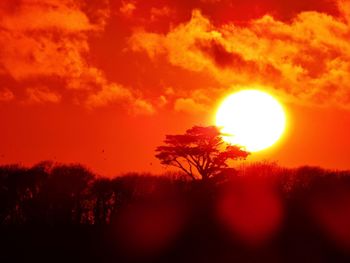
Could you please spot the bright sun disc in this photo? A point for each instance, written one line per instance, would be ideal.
(252, 119)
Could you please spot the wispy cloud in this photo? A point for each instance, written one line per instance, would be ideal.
(307, 58)
(127, 8)
(42, 95)
(50, 39)
(6, 95)
(189, 105)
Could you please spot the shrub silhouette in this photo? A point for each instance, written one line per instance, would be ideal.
(201, 150)
(265, 213)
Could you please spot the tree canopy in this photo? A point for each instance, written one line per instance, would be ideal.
(201, 152)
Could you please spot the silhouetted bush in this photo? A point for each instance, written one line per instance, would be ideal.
(255, 213)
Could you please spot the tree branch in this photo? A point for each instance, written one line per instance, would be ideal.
(197, 165)
(179, 165)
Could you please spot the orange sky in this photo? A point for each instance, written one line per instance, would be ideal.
(102, 82)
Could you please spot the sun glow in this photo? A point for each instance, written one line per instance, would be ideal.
(251, 118)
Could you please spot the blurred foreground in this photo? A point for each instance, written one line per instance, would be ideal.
(258, 213)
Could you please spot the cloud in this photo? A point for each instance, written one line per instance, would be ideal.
(6, 95)
(344, 7)
(45, 38)
(44, 15)
(158, 13)
(108, 94)
(115, 94)
(50, 39)
(307, 59)
(142, 107)
(42, 95)
(59, 42)
(162, 101)
(127, 8)
(189, 105)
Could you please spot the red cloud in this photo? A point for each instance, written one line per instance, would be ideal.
(306, 58)
(50, 39)
(6, 95)
(238, 11)
(42, 95)
(222, 57)
(44, 38)
(300, 48)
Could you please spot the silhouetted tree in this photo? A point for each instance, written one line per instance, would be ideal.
(13, 186)
(104, 196)
(34, 181)
(19, 189)
(200, 149)
(63, 192)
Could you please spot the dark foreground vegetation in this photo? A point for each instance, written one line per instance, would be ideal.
(258, 213)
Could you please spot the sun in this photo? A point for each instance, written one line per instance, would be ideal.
(251, 118)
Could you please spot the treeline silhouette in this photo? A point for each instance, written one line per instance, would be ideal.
(255, 213)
